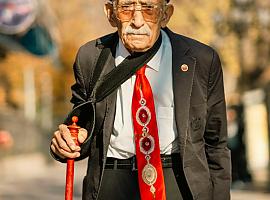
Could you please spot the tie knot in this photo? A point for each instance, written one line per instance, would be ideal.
(141, 71)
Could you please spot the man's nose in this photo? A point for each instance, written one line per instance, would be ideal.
(138, 19)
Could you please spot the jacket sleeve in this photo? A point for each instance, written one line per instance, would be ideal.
(79, 95)
(218, 155)
(78, 89)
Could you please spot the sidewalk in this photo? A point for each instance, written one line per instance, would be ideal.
(249, 195)
(30, 177)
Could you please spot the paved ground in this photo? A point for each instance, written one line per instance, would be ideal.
(32, 178)
(248, 195)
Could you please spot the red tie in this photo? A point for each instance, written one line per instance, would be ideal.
(150, 173)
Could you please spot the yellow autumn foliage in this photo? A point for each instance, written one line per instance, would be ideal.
(82, 20)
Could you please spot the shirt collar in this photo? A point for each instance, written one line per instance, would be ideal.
(122, 53)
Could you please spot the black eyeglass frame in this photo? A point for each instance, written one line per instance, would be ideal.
(138, 7)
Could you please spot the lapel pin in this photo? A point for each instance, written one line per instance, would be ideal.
(184, 67)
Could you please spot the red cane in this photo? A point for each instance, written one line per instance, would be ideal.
(74, 130)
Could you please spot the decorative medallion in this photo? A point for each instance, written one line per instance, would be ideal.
(143, 116)
(149, 174)
(142, 101)
(145, 131)
(147, 145)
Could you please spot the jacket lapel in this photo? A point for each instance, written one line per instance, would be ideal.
(110, 103)
(183, 74)
(106, 108)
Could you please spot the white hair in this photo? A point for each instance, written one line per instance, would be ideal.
(108, 1)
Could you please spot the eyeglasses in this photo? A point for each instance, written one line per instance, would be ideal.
(150, 12)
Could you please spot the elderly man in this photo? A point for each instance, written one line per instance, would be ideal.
(151, 104)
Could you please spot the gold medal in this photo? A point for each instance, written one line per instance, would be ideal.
(149, 174)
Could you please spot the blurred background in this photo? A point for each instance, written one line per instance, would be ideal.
(38, 43)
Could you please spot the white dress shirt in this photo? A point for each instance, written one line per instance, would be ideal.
(159, 74)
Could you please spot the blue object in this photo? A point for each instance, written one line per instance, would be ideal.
(37, 41)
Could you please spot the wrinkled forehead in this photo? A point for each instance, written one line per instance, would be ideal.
(154, 1)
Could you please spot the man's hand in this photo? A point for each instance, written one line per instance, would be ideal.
(63, 145)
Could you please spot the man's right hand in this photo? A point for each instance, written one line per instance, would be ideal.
(63, 145)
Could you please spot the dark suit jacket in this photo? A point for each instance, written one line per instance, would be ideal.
(199, 113)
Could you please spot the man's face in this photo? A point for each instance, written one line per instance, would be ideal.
(137, 27)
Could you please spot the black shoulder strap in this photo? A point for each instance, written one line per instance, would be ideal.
(107, 44)
(105, 85)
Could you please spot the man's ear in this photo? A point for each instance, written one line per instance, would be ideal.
(167, 15)
(108, 9)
